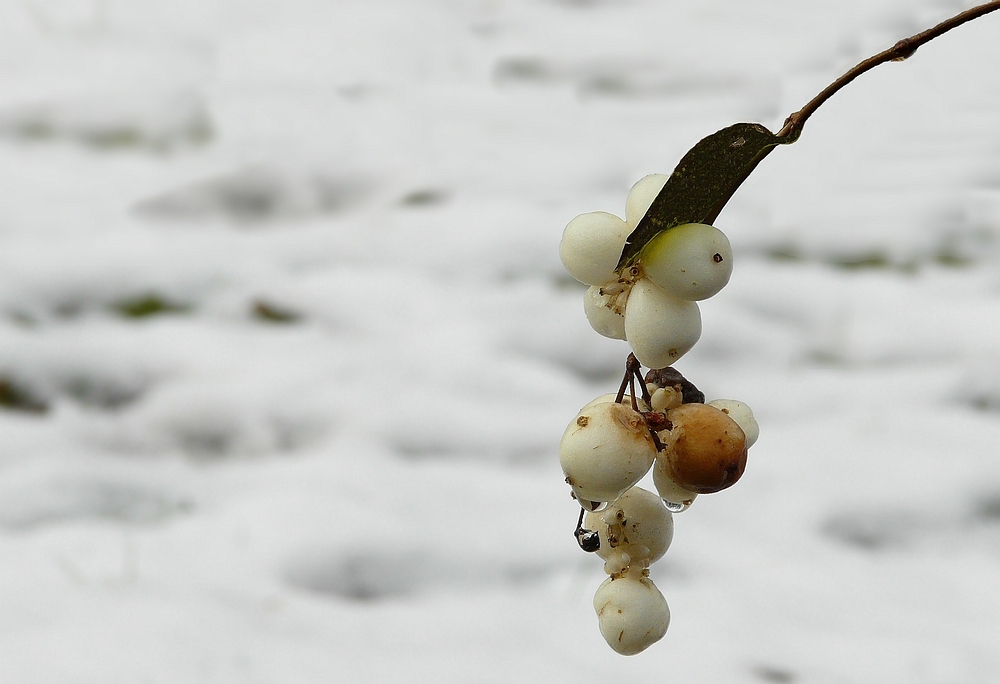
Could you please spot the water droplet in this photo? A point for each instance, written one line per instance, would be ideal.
(593, 506)
(677, 507)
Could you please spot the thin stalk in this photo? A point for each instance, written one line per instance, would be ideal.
(897, 53)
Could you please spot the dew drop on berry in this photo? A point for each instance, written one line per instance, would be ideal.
(676, 506)
(593, 506)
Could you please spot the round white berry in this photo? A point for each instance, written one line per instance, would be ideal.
(660, 327)
(601, 317)
(591, 245)
(641, 196)
(742, 415)
(637, 523)
(691, 261)
(603, 399)
(605, 450)
(611, 397)
(632, 613)
(666, 398)
(676, 498)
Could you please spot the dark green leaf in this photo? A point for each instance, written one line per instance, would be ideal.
(703, 182)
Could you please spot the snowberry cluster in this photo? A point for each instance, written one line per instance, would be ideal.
(651, 304)
(691, 447)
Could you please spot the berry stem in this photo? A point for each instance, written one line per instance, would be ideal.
(646, 397)
(656, 440)
(897, 53)
(623, 387)
(588, 540)
(632, 367)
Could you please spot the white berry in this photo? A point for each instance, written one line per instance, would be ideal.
(676, 498)
(641, 196)
(632, 613)
(611, 397)
(591, 246)
(601, 317)
(660, 327)
(742, 415)
(691, 261)
(665, 398)
(637, 520)
(605, 450)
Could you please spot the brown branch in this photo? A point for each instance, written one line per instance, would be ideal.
(632, 367)
(897, 53)
(642, 384)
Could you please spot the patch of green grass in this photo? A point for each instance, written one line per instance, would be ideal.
(265, 311)
(147, 305)
(523, 69)
(114, 138)
(99, 393)
(951, 259)
(424, 198)
(871, 261)
(14, 397)
(785, 254)
(23, 319)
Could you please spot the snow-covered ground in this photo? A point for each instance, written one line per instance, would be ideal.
(286, 349)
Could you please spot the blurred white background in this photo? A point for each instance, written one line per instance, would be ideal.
(286, 349)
